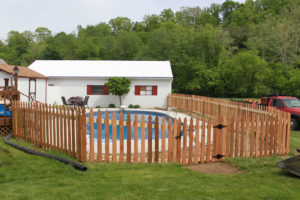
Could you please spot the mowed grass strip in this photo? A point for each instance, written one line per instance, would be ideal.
(24, 176)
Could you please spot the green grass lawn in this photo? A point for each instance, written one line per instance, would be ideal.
(24, 176)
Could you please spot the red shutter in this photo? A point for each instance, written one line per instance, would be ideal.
(106, 92)
(89, 90)
(154, 90)
(137, 90)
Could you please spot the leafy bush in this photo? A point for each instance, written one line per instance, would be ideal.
(111, 105)
(98, 106)
(133, 106)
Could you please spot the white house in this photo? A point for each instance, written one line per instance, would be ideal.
(31, 84)
(151, 81)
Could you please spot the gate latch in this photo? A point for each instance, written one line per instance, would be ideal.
(177, 137)
(219, 156)
(220, 126)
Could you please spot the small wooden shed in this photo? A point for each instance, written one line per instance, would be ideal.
(31, 84)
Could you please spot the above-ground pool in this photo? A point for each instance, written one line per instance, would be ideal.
(132, 113)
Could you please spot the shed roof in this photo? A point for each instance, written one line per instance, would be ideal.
(107, 68)
(2, 61)
(23, 71)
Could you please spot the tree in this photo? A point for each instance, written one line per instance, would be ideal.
(242, 74)
(120, 24)
(127, 46)
(118, 86)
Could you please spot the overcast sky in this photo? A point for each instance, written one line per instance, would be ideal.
(65, 15)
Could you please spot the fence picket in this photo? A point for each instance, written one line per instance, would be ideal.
(69, 131)
(121, 123)
(128, 124)
(237, 136)
(242, 145)
(196, 159)
(262, 135)
(106, 125)
(208, 150)
(163, 140)
(202, 153)
(174, 139)
(92, 145)
(257, 135)
(149, 139)
(83, 135)
(114, 137)
(135, 124)
(170, 138)
(252, 135)
(72, 132)
(191, 138)
(143, 139)
(178, 140)
(184, 141)
(156, 147)
(99, 136)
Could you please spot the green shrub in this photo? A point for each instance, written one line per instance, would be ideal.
(131, 106)
(98, 106)
(136, 106)
(111, 105)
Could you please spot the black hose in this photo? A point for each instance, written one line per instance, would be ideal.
(30, 151)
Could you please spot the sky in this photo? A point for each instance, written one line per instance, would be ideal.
(66, 15)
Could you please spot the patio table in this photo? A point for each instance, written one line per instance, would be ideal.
(76, 101)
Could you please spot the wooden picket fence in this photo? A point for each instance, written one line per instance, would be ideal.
(50, 127)
(254, 131)
(245, 132)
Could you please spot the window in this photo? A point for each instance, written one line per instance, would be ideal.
(277, 103)
(292, 103)
(97, 90)
(145, 90)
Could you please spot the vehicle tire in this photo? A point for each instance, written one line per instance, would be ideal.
(294, 124)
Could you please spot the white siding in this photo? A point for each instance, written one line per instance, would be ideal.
(69, 87)
(4, 75)
(41, 90)
(23, 87)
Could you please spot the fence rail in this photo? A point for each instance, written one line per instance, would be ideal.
(137, 139)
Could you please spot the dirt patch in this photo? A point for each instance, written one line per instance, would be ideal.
(215, 168)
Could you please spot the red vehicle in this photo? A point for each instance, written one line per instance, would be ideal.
(286, 103)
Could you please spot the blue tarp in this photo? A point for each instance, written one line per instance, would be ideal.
(2, 113)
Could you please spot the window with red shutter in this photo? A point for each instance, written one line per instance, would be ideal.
(97, 90)
(146, 90)
(137, 90)
(89, 90)
(106, 92)
(154, 90)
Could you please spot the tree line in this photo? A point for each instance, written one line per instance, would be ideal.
(226, 50)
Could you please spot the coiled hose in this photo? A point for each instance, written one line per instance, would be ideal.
(30, 151)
